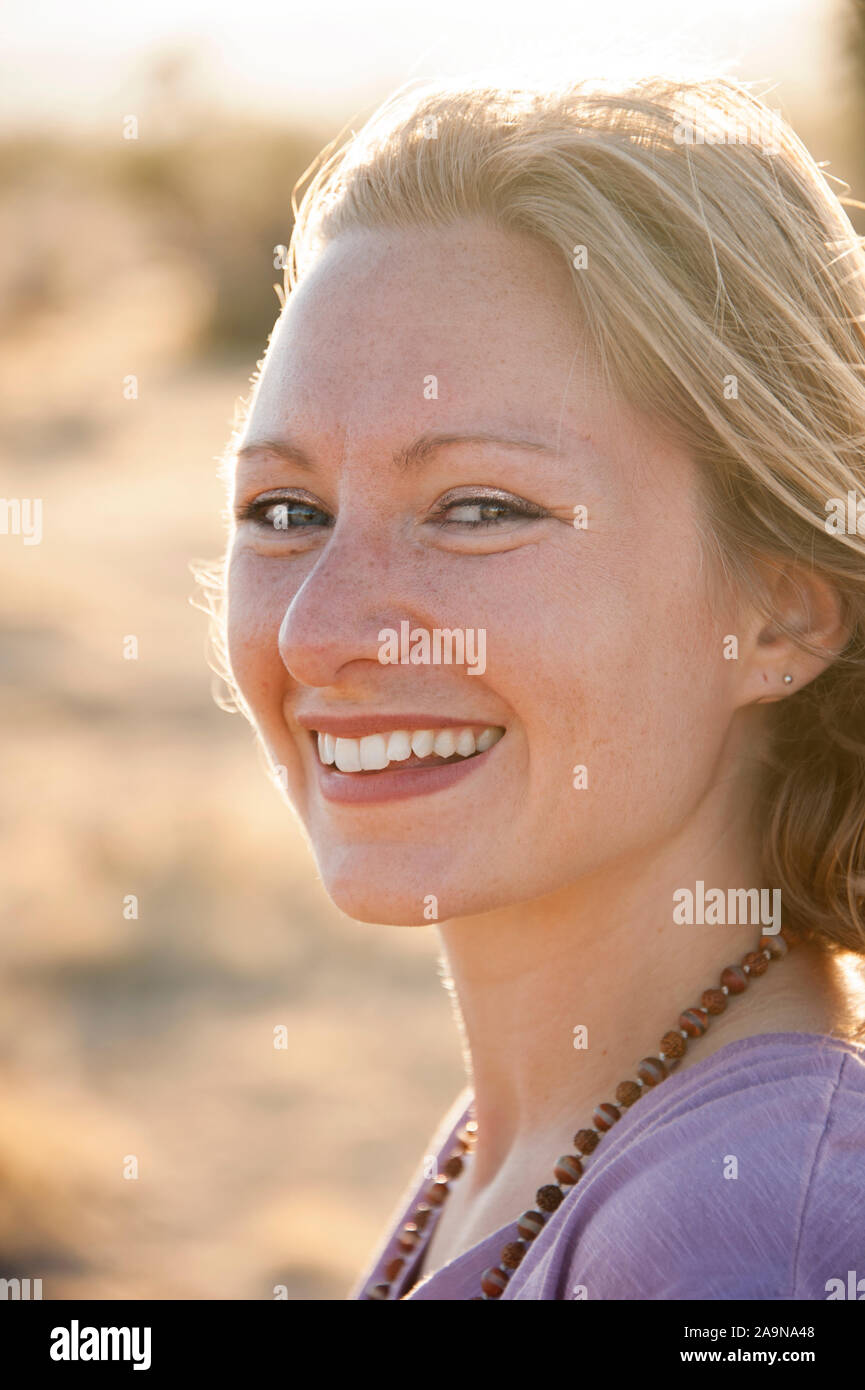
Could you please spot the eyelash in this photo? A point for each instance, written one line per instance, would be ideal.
(509, 506)
(256, 511)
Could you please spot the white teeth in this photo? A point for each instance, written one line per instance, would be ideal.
(373, 752)
(347, 754)
(445, 743)
(399, 746)
(326, 746)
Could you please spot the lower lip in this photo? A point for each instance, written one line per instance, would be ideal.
(395, 784)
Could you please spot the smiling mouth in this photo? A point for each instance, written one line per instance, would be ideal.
(399, 749)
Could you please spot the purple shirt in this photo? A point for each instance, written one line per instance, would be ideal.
(655, 1217)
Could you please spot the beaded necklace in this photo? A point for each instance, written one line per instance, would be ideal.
(570, 1167)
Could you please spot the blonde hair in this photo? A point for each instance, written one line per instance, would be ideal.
(721, 291)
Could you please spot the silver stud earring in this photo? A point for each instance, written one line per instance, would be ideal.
(788, 680)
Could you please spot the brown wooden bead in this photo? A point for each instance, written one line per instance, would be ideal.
(452, 1167)
(651, 1071)
(512, 1254)
(673, 1045)
(714, 1001)
(494, 1282)
(568, 1170)
(756, 962)
(393, 1268)
(530, 1224)
(466, 1136)
(549, 1197)
(788, 935)
(735, 979)
(437, 1191)
(627, 1092)
(409, 1237)
(694, 1022)
(379, 1291)
(586, 1141)
(776, 946)
(420, 1216)
(605, 1116)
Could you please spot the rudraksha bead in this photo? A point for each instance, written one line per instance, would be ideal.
(651, 1071)
(420, 1216)
(530, 1224)
(586, 1141)
(512, 1254)
(735, 979)
(453, 1166)
(694, 1022)
(393, 1267)
(437, 1191)
(467, 1135)
(568, 1170)
(756, 962)
(494, 1282)
(549, 1197)
(605, 1116)
(714, 1001)
(409, 1237)
(627, 1092)
(775, 945)
(673, 1045)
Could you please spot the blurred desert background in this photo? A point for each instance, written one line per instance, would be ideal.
(153, 1036)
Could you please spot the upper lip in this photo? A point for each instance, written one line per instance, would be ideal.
(356, 725)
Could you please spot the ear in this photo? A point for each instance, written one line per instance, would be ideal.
(811, 607)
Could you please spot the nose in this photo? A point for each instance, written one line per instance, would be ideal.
(356, 586)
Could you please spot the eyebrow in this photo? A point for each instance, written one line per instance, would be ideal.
(411, 457)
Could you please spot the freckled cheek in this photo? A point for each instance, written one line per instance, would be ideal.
(253, 618)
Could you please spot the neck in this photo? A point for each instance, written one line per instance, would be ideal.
(603, 953)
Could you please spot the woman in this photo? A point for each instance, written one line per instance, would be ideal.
(539, 596)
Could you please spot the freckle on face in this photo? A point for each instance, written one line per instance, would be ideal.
(596, 639)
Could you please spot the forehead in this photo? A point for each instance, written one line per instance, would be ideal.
(430, 322)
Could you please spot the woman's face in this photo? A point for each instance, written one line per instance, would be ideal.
(596, 646)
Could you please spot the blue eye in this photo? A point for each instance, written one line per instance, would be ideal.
(489, 510)
(281, 514)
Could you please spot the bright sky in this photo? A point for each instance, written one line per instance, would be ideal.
(79, 64)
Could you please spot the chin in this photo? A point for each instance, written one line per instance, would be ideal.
(387, 886)
(363, 904)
